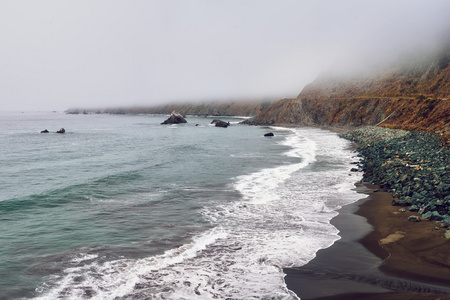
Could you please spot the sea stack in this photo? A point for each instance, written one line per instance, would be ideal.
(175, 118)
(220, 123)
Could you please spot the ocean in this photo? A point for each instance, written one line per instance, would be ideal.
(121, 207)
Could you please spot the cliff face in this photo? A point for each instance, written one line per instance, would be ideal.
(432, 115)
(410, 96)
(430, 78)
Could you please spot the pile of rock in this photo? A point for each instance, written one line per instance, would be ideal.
(372, 134)
(413, 166)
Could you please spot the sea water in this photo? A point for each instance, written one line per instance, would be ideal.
(121, 207)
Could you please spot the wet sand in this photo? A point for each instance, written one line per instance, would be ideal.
(381, 255)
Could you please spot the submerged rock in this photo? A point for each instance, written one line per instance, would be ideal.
(175, 118)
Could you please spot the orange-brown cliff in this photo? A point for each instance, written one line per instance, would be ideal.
(411, 95)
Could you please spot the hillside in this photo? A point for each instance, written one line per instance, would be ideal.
(413, 94)
(427, 76)
(234, 108)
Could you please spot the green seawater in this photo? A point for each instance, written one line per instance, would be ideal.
(112, 187)
(122, 207)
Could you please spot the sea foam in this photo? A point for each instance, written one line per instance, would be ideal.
(282, 220)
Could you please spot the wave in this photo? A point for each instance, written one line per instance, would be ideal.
(101, 188)
(259, 187)
(282, 220)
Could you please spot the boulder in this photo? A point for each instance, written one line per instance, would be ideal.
(447, 234)
(62, 130)
(220, 123)
(44, 131)
(269, 134)
(400, 202)
(175, 118)
(413, 219)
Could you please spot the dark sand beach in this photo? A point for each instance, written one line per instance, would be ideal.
(381, 255)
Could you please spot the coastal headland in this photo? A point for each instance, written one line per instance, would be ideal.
(400, 120)
(395, 242)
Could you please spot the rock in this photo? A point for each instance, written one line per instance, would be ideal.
(413, 219)
(411, 166)
(269, 134)
(413, 208)
(398, 202)
(174, 118)
(44, 131)
(220, 123)
(62, 130)
(447, 234)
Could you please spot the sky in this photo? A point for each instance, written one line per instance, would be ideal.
(60, 54)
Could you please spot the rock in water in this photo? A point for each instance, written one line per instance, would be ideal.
(175, 118)
(269, 134)
(62, 130)
(220, 123)
(44, 131)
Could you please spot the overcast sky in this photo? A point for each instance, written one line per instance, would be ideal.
(91, 53)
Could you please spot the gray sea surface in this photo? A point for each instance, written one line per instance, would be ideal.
(121, 207)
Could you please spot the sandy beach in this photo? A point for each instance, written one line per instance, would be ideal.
(381, 255)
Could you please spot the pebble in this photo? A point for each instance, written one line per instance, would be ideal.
(413, 166)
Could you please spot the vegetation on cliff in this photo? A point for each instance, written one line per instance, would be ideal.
(431, 115)
(419, 75)
(412, 94)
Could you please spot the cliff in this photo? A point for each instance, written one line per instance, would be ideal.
(412, 94)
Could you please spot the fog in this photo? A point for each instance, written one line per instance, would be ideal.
(90, 53)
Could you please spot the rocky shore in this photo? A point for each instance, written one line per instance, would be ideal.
(395, 258)
(414, 167)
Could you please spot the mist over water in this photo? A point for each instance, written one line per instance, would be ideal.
(120, 206)
(57, 55)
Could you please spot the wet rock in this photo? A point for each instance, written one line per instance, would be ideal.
(44, 131)
(413, 219)
(412, 166)
(62, 130)
(174, 118)
(269, 134)
(398, 202)
(447, 234)
(220, 123)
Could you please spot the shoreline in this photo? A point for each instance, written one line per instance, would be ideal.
(411, 261)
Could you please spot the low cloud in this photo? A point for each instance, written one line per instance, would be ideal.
(60, 54)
